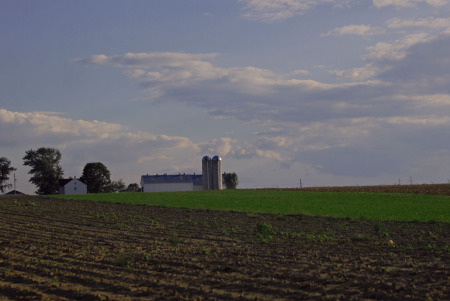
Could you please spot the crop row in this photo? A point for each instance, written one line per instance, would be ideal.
(59, 249)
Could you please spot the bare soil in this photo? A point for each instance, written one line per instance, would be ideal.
(75, 250)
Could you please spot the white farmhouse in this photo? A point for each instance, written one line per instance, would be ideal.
(71, 186)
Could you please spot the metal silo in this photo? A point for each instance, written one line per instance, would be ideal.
(206, 173)
(216, 172)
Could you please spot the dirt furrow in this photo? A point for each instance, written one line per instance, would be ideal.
(68, 250)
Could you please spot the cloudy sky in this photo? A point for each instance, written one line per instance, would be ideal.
(342, 92)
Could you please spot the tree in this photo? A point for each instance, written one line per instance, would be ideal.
(96, 176)
(231, 180)
(116, 186)
(44, 163)
(5, 170)
(133, 188)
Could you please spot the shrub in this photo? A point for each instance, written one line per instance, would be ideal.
(264, 230)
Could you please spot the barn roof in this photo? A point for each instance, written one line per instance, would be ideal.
(165, 179)
(62, 182)
(12, 192)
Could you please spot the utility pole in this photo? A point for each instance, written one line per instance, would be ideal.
(301, 183)
(15, 191)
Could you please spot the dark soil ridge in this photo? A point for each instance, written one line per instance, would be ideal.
(76, 250)
(433, 189)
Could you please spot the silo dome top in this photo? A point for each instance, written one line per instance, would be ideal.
(217, 158)
(206, 158)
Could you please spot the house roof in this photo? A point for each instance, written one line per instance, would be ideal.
(165, 179)
(63, 182)
(12, 192)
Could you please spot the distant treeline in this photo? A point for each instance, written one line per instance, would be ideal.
(433, 189)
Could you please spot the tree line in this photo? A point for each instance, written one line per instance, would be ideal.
(46, 171)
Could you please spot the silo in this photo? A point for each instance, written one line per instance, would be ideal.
(216, 172)
(206, 173)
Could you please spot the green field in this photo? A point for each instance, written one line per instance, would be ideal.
(372, 206)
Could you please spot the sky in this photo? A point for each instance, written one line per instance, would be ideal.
(322, 92)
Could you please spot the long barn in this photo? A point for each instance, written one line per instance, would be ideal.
(211, 179)
(165, 182)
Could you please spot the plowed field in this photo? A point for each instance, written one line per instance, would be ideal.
(64, 250)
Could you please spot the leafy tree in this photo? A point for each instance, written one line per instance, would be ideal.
(44, 163)
(116, 186)
(133, 188)
(96, 176)
(5, 170)
(231, 180)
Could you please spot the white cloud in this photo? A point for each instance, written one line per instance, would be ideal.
(279, 10)
(127, 153)
(357, 74)
(408, 3)
(232, 148)
(222, 146)
(299, 120)
(164, 77)
(136, 73)
(381, 55)
(395, 50)
(423, 69)
(144, 159)
(255, 94)
(276, 10)
(112, 142)
(42, 123)
(300, 72)
(359, 30)
(431, 121)
(147, 60)
(430, 22)
(268, 154)
(400, 108)
(387, 113)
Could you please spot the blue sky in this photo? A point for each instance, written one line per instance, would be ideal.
(333, 92)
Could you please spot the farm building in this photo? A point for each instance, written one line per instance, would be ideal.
(14, 192)
(165, 182)
(212, 172)
(211, 179)
(71, 186)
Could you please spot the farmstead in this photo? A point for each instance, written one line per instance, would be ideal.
(210, 179)
(71, 186)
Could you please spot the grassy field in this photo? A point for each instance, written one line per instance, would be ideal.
(372, 206)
